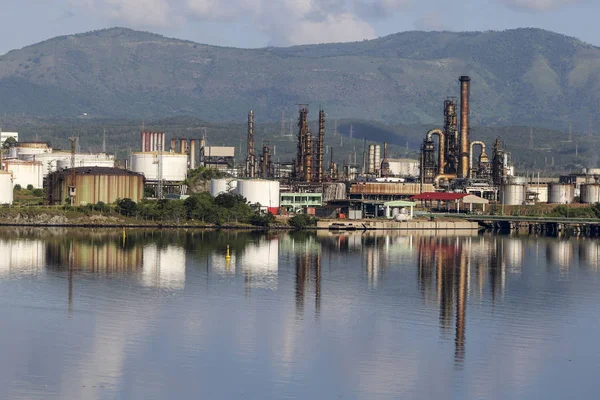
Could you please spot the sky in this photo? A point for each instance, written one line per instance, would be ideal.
(259, 23)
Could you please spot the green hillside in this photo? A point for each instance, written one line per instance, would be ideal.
(520, 77)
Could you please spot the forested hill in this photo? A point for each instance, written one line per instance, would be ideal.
(519, 77)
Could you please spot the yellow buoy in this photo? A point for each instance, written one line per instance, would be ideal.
(227, 257)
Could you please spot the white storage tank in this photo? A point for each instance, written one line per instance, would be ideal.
(86, 162)
(560, 193)
(261, 191)
(174, 166)
(25, 173)
(404, 167)
(513, 195)
(26, 150)
(6, 188)
(590, 194)
(218, 186)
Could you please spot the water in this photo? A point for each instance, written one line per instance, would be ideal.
(163, 315)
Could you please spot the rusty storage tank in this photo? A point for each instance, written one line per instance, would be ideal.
(94, 184)
(560, 193)
(590, 193)
(27, 150)
(513, 194)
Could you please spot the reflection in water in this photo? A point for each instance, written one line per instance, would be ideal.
(260, 264)
(164, 267)
(307, 259)
(21, 257)
(390, 299)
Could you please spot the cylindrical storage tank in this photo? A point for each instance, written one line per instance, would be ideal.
(174, 166)
(26, 150)
(264, 192)
(218, 186)
(590, 193)
(560, 193)
(6, 188)
(371, 159)
(518, 180)
(81, 161)
(25, 173)
(12, 152)
(512, 195)
(377, 160)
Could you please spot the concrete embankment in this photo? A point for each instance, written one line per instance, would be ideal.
(405, 225)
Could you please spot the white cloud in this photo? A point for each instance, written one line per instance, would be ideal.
(285, 22)
(145, 13)
(539, 5)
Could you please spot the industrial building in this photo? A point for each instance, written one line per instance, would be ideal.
(90, 185)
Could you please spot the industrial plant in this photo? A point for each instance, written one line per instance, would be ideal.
(454, 171)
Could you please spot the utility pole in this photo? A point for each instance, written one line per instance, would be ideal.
(104, 142)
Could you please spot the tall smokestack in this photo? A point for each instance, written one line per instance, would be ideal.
(143, 142)
(308, 157)
(320, 146)
(173, 145)
(465, 87)
(183, 146)
(250, 162)
(193, 154)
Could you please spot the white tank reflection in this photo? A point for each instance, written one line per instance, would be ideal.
(260, 264)
(513, 253)
(560, 253)
(164, 267)
(589, 253)
(22, 257)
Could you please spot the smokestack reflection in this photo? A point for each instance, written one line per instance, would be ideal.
(308, 263)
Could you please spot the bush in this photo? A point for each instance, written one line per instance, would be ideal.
(30, 187)
(259, 219)
(38, 192)
(300, 221)
(18, 187)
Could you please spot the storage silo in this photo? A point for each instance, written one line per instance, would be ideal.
(25, 173)
(259, 191)
(174, 166)
(560, 193)
(377, 159)
(371, 159)
(513, 195)
(590, 193)
(6, 187)
(225, 185)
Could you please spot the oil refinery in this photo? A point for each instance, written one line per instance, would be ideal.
(454, 170)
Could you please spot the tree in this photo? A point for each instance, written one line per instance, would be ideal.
(126, 207)
(300, 221)
(9, 142)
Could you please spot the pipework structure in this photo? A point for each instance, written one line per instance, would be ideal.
(454, 150)
(308, 165)
(250, 158)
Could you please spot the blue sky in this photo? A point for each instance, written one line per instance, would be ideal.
(257, 23)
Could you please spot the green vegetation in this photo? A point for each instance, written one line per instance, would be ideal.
(301, 221)
(29, 196)
(522, 76)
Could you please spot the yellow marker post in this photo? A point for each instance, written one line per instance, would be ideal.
(227, 256)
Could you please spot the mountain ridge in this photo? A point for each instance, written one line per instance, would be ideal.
(525, 76)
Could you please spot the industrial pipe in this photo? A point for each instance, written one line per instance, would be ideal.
(441, 149)
(465, 86)
(476, 142)
(436, 180)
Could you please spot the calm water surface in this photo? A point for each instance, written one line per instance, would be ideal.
(164, 315)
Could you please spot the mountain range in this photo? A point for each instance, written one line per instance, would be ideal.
(526, 77)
